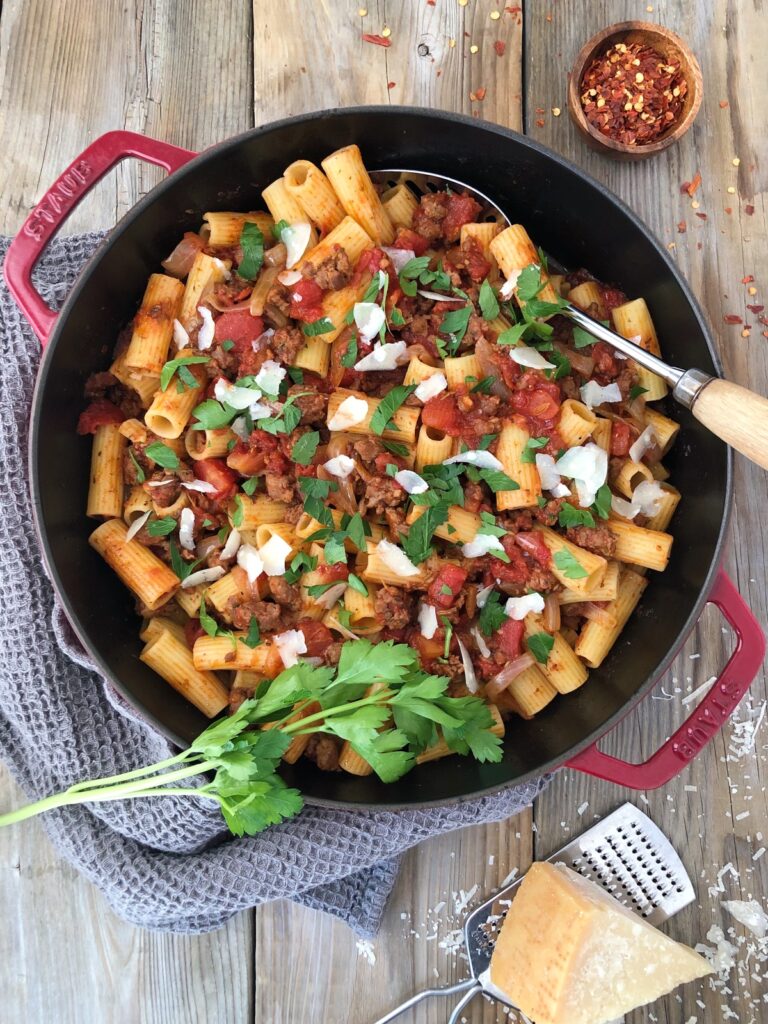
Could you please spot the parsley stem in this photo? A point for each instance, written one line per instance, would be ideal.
(135, 774)
(380, 697)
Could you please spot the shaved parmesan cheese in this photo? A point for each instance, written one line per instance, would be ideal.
(289, 277)
(203, 576)
(161, 483)
(750, 914)
(647, 495)
(561, 491)
(249, 560)
(136, 525)
(384, 357)
(427, 620)
(481, 545)
(290, 644)
(518, 607)
(411, 482)
(623, 508)
(351, 412)
(431, 386)
(481, 459)
(180, 336)
(186, 529)
(524, 355)
(437, 297)
(593, 394)
(295, 238)
(369, 319)
(646, 440)
(271, 376)
(239, 427)
(396, 559)
(482, 646)
(398, 257)
(199, 485)
(208, 329)
(587, 466)
(222, 266)
(331, 595)
(232, 546)
(482, 595)
(274, 554)
(340, 466)
(507, 290)
(234, 396)
(470, 679)
(548, 475)
(263, 337)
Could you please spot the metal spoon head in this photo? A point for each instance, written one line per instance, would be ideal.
(421, 184)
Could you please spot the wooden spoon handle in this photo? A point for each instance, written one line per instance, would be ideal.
(738, 416)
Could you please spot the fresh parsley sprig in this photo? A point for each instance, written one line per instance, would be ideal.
(388, 727)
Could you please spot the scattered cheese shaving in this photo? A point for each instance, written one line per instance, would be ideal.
(482, 459)
(645, 441)
(369, 319)
(289, 277)
(340, 466)
(295, 238)
(232, 546)
(383, 357)
(481, 544)
(273, 554)
(427, 620)
(518, 607)
(351, 412)
(483, 594)
(507, 290)
(411, 482)
(207, 331)
(482, 646)
(470, 679)
(249, 560)
(431, 386)
(290, 645)
(587, 466)
(136, 525)
(593, 394)
(524, 355)
(203, 576)
(396, 559)
(437, 297)
(203, 486)
(398, 257)
(187, 529)
(180, 335)
(270, 377)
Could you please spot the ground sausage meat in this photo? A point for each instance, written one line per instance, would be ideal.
(286, 343)
(598, 539)
(268, 614)
(279, 297)
(333, 273)
(312, 406)
(394, 606)
(324, 751)
(428, 218)
(281, 487)
(381, 493)
(368, 448)
(286, 594)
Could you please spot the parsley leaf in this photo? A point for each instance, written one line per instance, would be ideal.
(489, 304)
(180, 566)
(167, 372)
(161, 527)
(321, 326)
(300, 564)
(602, 503)
(513, 334)
(529, 452)
(209, 624)
(141, 476)
(417, 542)
(562, 365)
(492, 615)
(569, 565)
(388, 406)
(278, 229)
(287, 420)
(570, 516)
(237, 513)
(212, 415)
(304, 449)
(540, 645)
(482, 386)
(252, 245)
(250, 485)
(357, 584)
(162, 455)
(396, 448)
(455, 322)
(582, 338)
(635, 391)
(489, 526)
(496, 479)
(227, 345)
(350, 356)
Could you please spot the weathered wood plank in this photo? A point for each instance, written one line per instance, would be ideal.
(702, 822)
(181, 73)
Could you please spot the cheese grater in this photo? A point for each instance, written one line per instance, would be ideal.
(625, 853)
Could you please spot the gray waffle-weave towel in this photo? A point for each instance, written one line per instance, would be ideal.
(160, 862)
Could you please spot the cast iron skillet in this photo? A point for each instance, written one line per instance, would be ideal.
(568, 214)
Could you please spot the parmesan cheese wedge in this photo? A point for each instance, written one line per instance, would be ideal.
(568, 953)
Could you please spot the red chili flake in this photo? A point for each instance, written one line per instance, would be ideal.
(431, 3)
(749, 209)
(513, 10)
(728, 209)
(748, 279)
(731, 318)
(376, 40)
(723, 104)
(755, 309)
(691, 186)
(631, 94)
(500, 47)
(682, 227)
(480, 93)
(540, 122)
(391, 85)
(701, 216)
(541, 110)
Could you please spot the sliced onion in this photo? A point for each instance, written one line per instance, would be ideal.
(227, 307)
(136, 525)
(597, 613)
(398, 257)
(624, 508)
(510, 672)
(551, 617)
(470, 679)
(199, 485)
(427, 620)
(487, 355)
(203, 576)
(482, 646)
(179, 263)
(583, 364)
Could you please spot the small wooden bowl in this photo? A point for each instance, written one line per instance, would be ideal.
(670, 46)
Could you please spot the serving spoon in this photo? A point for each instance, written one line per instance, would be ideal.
(733, 413)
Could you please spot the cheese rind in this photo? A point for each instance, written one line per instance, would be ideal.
(568, 953)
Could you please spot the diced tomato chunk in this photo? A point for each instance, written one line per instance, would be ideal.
(606, 364)
(621, 438)
(332, 573)
(241, 327)
(442, 413)
(192, 631)
(461, 210)
(446, 586)
(514, 571)
(477, 265)
(306, 300)
(537, 403)
(509, 637)
(98, 414)
(533, 543)
(246, 461)
(408, 239)
(317, 637)
(369, 262)
(218, 473)
(388, 459)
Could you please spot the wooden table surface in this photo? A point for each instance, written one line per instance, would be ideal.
(196, 72)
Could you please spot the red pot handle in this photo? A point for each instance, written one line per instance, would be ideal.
(59, 201)
(710, 715)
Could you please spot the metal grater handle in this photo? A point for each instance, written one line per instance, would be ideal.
(450, 990)
(465, 1000)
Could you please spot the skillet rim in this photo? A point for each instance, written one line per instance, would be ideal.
(113, 237)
